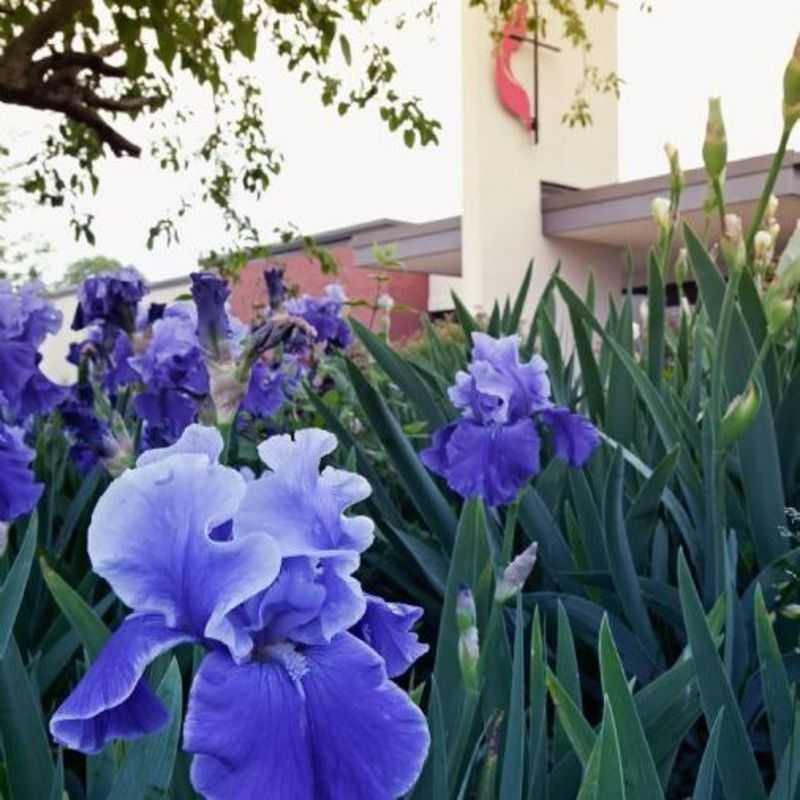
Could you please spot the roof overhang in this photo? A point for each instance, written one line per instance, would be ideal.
(620, 214)
(429, 247)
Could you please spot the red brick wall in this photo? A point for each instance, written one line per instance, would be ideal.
(407, 288)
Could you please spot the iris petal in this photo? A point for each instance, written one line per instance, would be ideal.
(574, 436)
(492, 462)
(113, 701)
(198, 439)
(328, 727)
(150, 538)
(301, 508)
(386, 628)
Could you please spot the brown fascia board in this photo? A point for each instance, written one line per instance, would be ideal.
(413, 240)
(570, 211)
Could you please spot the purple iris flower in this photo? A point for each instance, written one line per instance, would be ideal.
(210, 294)
(495, 448)
(26, 319)
(174, 376)
(111, 298)
(19, 491)
(90, 435)
(269, 389)
(324, 314)
(260, 575)
(276, 288)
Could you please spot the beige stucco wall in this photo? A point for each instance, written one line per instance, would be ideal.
(503, 167)
(55, 348)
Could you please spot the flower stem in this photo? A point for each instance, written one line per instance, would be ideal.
(772, 177)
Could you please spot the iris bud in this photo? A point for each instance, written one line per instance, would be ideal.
(740, 415)
(772, 207)
(778, 309)
(789, 267)
(227, 388)
(466, 615)
(762, 248)
(676, 173)
(516, 573)
(660, 210)
(733, 247)
(715, 147)
(791, 88)
(469, 654)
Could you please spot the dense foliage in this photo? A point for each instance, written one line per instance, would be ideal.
(605, 606)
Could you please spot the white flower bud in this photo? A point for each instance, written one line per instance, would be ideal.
(733, 247)
(762, 248)
(772, 207)
(660, 211)
(385, 302)
(516, 573)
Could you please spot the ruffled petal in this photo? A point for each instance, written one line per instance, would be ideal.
(113, 701)
(492, 462)
(311, 601)
(199, 439)
(386, 628)
(321, 724)
(301, 508)
(150, 538)
(575, 438)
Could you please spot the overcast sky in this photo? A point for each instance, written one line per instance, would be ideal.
(340, 171)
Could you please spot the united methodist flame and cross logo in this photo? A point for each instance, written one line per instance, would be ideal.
(511, 92)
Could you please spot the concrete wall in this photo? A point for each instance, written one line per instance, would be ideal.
(503, 168)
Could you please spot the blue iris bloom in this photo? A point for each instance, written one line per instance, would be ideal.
(324, 314)
(494, 449)
(276, 288)
(287, 701)
(268, 390)
(111, 299)
(210, 294)
(26, 318)
(174, 375)
(19, 491)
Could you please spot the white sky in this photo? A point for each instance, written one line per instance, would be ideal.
(340, 171)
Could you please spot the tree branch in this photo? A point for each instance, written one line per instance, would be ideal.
(42, 28)
(91, 61)
(53, 82)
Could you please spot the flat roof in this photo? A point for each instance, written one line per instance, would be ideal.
(430, 247)
(619, 214)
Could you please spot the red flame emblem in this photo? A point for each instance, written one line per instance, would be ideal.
(510, 91)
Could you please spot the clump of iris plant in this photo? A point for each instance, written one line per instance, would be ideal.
(494, 449)
(293, 696)
(26, 319)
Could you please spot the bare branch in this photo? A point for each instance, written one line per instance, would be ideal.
(127, 105)
(91, 61)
